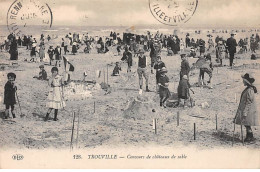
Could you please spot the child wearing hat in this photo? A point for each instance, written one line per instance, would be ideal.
(163, 87)
(33, 53)
(127, 55)
(57, 52)
(158, 66)
(116, 70)
(42, 73)
(185, 67)
(50, 53)
(207, 67)
(183, 90)
(9, 94)
(247, 113)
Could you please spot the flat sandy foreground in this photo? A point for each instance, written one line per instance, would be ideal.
(122, 117)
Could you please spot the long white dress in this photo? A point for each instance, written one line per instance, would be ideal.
(55, 97)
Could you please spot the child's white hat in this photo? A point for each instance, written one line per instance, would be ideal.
(185, 77)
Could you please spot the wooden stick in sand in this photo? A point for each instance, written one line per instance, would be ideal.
(178, 118)
(216, 121)
(94, 107)
(104, 76)
(154, 125)
(77, 139)
(107, 74)
(194, 131)
(72, 132)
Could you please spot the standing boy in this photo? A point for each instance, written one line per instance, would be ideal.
(183, 90)
(142, 71)
(163, 87)
(185, 67)
(9, 94)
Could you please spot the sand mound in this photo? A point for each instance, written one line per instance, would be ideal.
(141, 108)
(79, 91)
(248, 66)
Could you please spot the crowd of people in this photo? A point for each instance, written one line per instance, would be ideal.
(137, 45)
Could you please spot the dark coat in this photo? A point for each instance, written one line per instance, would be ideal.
(116, 70)
(163, 89)
(13, 51)
(231, 45)
(57, 52)
(43, 75)
(158, 67)
(185, 68)
(33, 51)
(9, 94)
(129, 58)
(183, 89)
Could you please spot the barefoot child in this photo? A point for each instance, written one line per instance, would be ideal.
(9, 94)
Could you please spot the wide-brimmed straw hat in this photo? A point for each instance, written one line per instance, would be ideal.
(248, 78)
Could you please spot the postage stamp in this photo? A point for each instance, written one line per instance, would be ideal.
(24, 13)
(173, 12)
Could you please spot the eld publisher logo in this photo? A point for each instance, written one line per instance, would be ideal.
(18, 157)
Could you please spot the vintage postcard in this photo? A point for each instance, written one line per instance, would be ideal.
(129, 84)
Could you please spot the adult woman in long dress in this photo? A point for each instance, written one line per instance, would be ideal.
(55, 98)
(13, 50)
(247, 114)
(42, 52)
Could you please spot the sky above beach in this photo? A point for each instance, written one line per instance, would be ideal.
(209, 13)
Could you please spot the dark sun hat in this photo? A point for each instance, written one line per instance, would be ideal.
(248, 78)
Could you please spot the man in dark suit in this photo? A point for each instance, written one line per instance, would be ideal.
(231, 46)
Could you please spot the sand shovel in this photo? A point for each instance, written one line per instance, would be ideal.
(22, 115)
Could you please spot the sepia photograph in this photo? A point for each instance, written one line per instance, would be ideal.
(129, 84)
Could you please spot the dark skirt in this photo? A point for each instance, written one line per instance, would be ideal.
(164, 92)
(14, 55)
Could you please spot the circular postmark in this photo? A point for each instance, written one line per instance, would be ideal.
(24, 14)
(173, 12)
